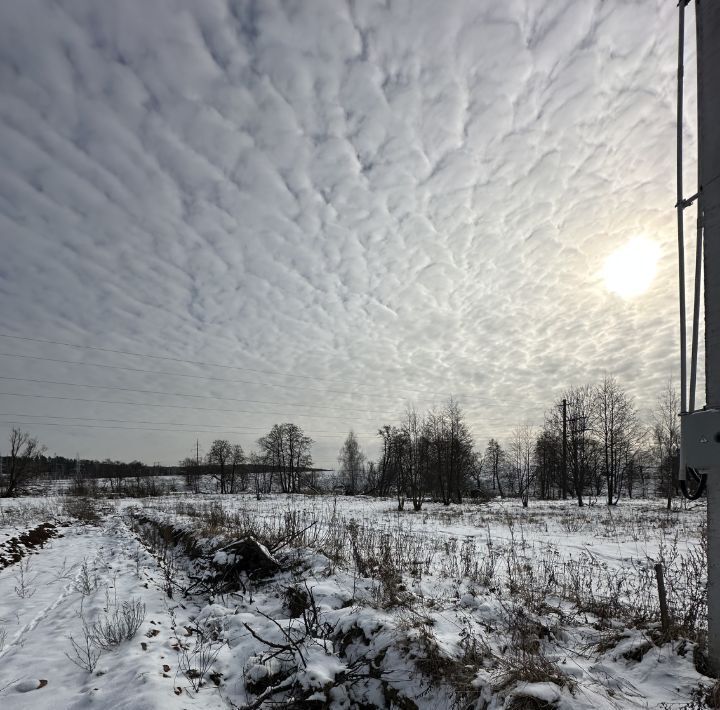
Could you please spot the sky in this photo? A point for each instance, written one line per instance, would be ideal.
(227, 214)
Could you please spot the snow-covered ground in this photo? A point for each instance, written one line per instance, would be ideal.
(480, 605)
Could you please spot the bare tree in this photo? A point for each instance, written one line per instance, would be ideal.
(495, 457)
(446, 450)
(521, 452)
(262, 475)
(371, 477)
(618, 431)
(666, 438)
(220, 455)
(461, 459)
(189, 469)
(238, 478)
(285, 450)
(352, 464)
(390, 471)
(582, 454)
(411, 460)
(430, 455)
(22, 463)
(548, 461)
(477, 471)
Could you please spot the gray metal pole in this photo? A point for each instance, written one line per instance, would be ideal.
(699, 235)
(708, 56)
(680, 207)
(696, 308)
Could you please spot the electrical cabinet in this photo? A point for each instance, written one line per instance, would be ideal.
(700, 438)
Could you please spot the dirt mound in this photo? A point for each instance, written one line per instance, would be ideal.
(14, 549)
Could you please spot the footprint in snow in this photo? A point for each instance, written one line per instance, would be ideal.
(25, 686)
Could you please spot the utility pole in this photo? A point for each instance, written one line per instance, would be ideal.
(197, 452)
(708, 58)
(680, 206)
(564, 450)
(700, 429)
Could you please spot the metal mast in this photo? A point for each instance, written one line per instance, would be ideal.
(700, 430)
(708, 58)
(680, 206)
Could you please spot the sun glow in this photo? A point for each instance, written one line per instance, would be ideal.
(629, 270)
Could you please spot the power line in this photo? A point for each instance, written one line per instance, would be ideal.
(201, 363)
(240, 430)
(155, 404)
(187, 406)
(181, 374)
(429, 395)
(188, 394)
(196, 377)
(123, 428)
(479, 401)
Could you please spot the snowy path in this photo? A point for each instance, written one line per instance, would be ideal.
(41, 602)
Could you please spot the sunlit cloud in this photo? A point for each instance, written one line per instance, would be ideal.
(412, 196)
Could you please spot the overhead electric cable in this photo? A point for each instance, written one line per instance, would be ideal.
(124, 428)
(243, 430)
(429, 396)
(155, 404)
(203, 363)
(472, 400)
(284, 415)
(188, 394)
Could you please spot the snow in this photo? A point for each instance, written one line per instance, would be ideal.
(448, 622)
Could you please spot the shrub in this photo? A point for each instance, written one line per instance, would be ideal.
(120, 625)
(82, 509)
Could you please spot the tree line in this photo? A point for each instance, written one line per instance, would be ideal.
(593, 444)
(283, 461)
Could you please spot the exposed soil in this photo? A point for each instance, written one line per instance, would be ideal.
(14, 549)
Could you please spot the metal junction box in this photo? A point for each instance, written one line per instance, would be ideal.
(700, 438)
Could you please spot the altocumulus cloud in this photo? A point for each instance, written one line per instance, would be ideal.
(411, 199)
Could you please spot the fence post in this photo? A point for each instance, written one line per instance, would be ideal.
(664, 618)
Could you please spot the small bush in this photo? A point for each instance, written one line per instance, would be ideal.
(85, 654)
(82, 509)
(87, 580)
(105, 634)
(197, 662)
(120, 625)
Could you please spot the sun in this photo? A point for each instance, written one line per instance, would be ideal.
(630, 269)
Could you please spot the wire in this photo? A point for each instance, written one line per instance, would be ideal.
(202, 363)
(125, 368)
(475, 401)
(154, 404)
(184, 374)
(123, 428)
(184, 406)
(430, 395)
(188, 394)
(246, 430)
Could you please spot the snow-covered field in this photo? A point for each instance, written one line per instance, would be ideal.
(136, 604)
